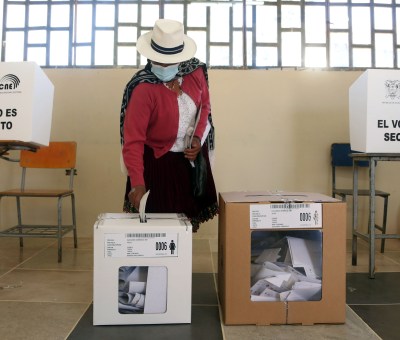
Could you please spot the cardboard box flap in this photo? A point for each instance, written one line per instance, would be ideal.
(275, 196)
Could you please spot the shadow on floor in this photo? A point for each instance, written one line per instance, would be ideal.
(205, 320)
(376, 301)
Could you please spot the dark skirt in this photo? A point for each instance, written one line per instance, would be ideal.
(168, 179)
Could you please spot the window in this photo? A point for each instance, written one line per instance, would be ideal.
(333, 34)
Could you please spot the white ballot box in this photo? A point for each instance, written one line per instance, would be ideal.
(374, 108)
(26, 103)
(142, 271)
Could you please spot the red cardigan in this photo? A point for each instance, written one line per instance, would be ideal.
(152, 118)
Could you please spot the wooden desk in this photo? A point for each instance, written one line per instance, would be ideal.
(370, 236)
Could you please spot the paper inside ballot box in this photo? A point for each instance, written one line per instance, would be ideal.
(291, 270)
(26, 103)
(142, 289)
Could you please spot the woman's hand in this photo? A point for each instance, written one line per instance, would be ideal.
(136, 195)
(191, 153)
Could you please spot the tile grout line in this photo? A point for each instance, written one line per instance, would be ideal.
(374, 304)
(389, 258)
(55, 269)
(211, 256)
(76, 323)
(28, 259)
(365, 324)
(88, 304)
(57, 302)
(49, 302)
(216, 291)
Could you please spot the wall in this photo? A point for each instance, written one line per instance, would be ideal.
(273, 132)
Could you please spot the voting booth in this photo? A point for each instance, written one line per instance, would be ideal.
(281, 258)
(142, 270)
(374, 109)
(26, 103)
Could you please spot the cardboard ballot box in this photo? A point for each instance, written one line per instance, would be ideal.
(281, 258)
(374, 108)
(26, 103)
(142, 271)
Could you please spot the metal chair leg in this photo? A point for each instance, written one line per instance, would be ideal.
(59, 236)
(385, 209)
(19, 214)
(74, 221)
(355, 215)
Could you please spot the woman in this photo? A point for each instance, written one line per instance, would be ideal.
(164, 104)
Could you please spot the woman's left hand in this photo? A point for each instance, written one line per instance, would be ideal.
(191, 153)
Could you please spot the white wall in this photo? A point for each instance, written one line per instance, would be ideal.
(273, 132)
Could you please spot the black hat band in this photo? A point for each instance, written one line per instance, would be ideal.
(165, 50)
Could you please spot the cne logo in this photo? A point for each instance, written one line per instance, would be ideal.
(9, 82)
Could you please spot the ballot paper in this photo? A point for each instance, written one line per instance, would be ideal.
(142, 289)
(142, 207)
(270, 255)
(141, 215)
(288, 268)
(284, 284)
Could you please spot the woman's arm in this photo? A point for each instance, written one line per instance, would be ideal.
(136, 123)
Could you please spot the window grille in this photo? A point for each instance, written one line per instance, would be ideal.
(335, 34)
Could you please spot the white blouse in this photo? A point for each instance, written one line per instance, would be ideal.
(187, 112)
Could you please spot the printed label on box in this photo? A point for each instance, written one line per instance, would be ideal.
(141, 244)
(285, 215)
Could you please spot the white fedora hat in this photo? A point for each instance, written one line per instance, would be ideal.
(166, 43)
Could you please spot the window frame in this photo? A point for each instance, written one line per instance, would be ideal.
(248, 32)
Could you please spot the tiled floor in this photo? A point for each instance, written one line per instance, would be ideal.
(42, 299)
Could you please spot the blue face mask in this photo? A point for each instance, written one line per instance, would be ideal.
(165, 73)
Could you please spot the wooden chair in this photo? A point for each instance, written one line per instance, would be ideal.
(58, 156)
